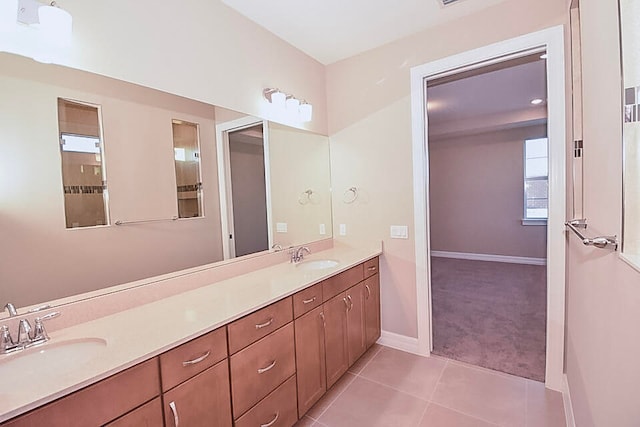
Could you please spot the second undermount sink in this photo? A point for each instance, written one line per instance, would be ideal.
(52, 358)
(317, 264)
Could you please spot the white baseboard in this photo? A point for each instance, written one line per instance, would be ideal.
(490, 257)
(568, 407)
(399, 342)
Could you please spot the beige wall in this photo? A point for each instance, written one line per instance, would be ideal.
(476, 194)
(41, 259)
(370, 129)
(603, 304)
(230, 59)
(299, 161)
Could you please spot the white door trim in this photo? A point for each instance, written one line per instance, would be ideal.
(552, 39)
(224, 179)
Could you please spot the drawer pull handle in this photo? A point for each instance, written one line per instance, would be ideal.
(350, 302)
(372, 268)
(368, 291)
(272, 422)
(309, 301)
(174, 410)
(267, 368)
(196, 360)
(265, 324)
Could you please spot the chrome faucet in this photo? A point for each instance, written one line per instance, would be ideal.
(297, 255)
(27, 336)
(11, 309)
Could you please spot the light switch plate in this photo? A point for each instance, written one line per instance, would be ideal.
(399, 232)
(281, 227)
(323, 230)
(343, 229)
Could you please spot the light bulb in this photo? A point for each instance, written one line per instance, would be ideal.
(55, 25)
(278, 99)
(292, 104)
(306, 112)
(8, 15)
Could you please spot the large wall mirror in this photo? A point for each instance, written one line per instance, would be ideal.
(146, 164)
(630, 45)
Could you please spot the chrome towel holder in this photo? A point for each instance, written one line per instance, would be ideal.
(600, 242)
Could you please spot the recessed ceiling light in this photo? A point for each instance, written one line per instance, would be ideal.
(537, 101)
(544, 56)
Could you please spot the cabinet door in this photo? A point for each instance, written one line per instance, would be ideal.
(148, 415)
(310, 359)
(355, 322)
(335, 338)
(372, 309)
(204, 400)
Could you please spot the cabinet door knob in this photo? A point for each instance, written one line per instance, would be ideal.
(174, 410)
(272, 422)
(309, 301)
(196, 360)
(368, 290)
(265, 324)
(346, 303)
(267, 368)
(350, 302)
(324, 322)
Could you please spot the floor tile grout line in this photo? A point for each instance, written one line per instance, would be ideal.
(394, 389)
(488, 370)
(334, 400)
(465, 413)
(446, 363)
(368, 361)
(423, 414)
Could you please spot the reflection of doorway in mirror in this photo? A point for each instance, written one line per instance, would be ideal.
(630, 34)
(186, 146)
(245, 192)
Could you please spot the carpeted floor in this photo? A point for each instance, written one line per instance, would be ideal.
(490, 314)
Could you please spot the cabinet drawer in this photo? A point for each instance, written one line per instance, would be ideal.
(307, 300)
(251, 328)
(278, 409)
(371, 267)
(258, 369)
(200, 401)
(148, 415)
(341, 282)
(189, 359)
(99, 403)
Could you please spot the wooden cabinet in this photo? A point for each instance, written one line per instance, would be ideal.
(372, 309)
(335, 338)
(342, 281)
(148, 415)
(371, 267)
(278, 409)
(257, 325)
(258, 369)
(355, 322)
(307, 300)
(310, 359)
(203, 400)
(99, 403)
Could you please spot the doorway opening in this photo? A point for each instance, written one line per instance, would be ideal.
(488, 208)
(243, 165)
(550, 41)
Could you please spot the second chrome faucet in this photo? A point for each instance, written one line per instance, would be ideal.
(297, 254)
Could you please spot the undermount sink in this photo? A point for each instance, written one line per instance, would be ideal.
(52, 358)
(317, 264)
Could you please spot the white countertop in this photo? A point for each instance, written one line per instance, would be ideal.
(143, 332)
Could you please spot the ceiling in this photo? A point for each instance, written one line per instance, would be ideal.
(487, 94)
(331, 30)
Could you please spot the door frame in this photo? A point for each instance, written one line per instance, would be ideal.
(551, 39)
(224, 179)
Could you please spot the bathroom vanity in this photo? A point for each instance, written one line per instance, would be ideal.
(256, 349)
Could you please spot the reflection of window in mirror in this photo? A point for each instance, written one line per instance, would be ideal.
(186, 146)
(81, 149)
(630, 28)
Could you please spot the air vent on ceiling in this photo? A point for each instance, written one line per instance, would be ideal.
(448, 2)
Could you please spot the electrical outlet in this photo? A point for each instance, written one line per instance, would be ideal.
(343, 229)
(281, 227)
(399, 232)
(323, 230)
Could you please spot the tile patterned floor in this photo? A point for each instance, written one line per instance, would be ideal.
(387, 387)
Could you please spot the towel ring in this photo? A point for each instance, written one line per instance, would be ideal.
(350, 195)
(305, 197)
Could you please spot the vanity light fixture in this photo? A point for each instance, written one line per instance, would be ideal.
(544, 56)
(289, 105)
(30, 28)
(537, 101)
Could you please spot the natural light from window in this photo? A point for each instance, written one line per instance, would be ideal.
(536, 179)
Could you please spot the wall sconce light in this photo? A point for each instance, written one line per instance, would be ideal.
(49, 29)
(283, 103)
